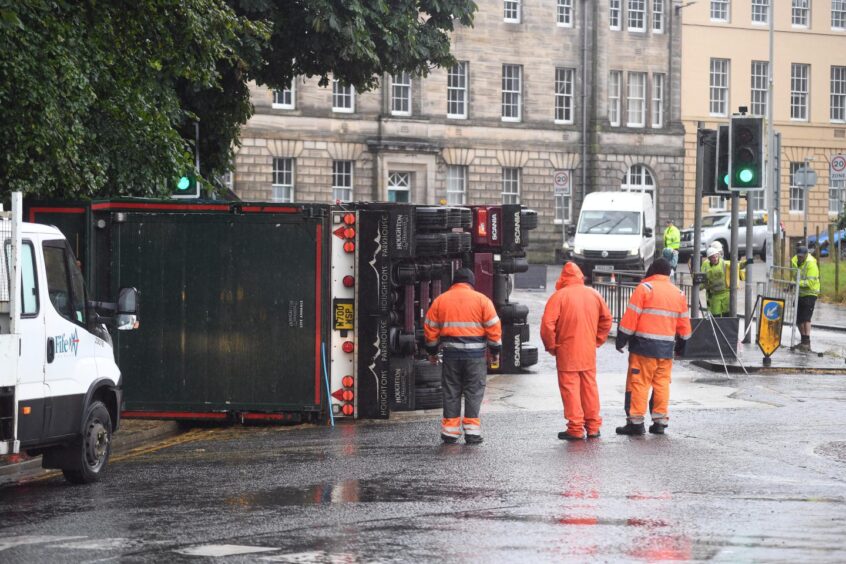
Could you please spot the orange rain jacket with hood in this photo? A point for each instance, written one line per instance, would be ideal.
(657, 313)
(575, 322)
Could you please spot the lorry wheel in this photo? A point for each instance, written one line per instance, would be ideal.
(94, 447)
(528, 355)
(427, 373)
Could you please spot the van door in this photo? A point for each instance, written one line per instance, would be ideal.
(31, 391)
(70, 367)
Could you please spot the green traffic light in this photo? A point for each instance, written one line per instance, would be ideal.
(746, 175)
(184, 183)
(726, 179)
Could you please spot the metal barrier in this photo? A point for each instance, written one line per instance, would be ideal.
(617, 290)
(5, 238)
(783, 284)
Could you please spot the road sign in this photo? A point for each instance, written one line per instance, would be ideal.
(838, 167)
(770, 322)
(805, 177)
(562, 182)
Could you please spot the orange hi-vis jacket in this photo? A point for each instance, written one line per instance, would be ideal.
(575, 322)
(464, 322)
(656, 314)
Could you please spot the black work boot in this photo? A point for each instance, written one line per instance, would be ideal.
(449, 440)
(594, 435)
(473, 439)
(657, 428)
(631, 429)
(565, 436)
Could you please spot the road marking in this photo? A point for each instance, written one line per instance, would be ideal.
(314, 557)
(11, 542)
(193, 435)
(224, 550)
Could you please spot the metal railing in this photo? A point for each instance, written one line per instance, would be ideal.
(5, 246)
(782, 283)
(617, 290)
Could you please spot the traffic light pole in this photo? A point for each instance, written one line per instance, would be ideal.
(735, 217)
(697, 222)
(750, 253)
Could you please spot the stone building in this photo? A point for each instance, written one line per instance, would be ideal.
(586, 87)
(725, 61)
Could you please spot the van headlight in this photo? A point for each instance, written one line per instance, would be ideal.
(566, 246)
(577, 250)
(634, 252)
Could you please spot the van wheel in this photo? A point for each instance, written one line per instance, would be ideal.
(94, 447)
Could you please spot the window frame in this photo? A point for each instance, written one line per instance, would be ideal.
(346, 176)
(73, 280)
(615, 101)
(639, 14)
(840, 12)
(630, 108)
(36, 294)
(804, 12)
(563, 204)
(799, 99)
(839, 84)
(461, 178)
(336, 95)
(280, 186)
(508, 181)
(658, 16)
(515, 6)
(564, 96)
(405, 87)
(719, 7)
(713, 87)
(659, 86)
(565, 13)
(292, 91)
(615, 12)
(518, 93)
(839, 187)
(463, 90)
(793, 167)
(395, 188)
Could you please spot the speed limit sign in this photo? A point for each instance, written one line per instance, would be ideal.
(838, 168)
(561, 182)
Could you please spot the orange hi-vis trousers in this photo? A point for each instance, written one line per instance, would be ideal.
(581, 401)
(644, 373)
(451, 427)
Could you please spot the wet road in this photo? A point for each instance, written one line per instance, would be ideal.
(762, 482)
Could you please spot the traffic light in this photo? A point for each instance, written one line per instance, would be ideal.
(708, 142)
(746, 153)
(186, 186)
(723, 160)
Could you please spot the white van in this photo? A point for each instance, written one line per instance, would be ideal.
(60, 389)
(616, 231)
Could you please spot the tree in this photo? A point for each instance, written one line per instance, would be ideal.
(100, 99)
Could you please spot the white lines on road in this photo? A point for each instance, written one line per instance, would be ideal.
(11, 542)
(218, 550)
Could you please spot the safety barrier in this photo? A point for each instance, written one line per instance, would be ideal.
(616, 289)
(782, 283)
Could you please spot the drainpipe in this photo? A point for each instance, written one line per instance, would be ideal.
(584, 104)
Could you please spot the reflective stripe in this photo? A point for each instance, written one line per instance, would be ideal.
(661, 312)
(635, 308)
(472, 430)
(648, 285)
(491, 322)
(431, 323)
(431, 343)
(494, 343)
(654, 337)
(461, 324)
(624, 330)
(685, 337)
(685, 314)
(463, 346)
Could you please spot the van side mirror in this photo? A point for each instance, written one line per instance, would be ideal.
(127, 309)
(647, 232)
(570, 230)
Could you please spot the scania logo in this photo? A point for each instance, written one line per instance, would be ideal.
(604, 254)
(517, 228)
(494, 227)
(516, 350)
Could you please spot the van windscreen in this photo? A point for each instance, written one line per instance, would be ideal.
(599, 222)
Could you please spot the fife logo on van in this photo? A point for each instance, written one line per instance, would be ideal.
(67, 344)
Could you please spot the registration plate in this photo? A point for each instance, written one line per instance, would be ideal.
(606, 267)
(344, 314)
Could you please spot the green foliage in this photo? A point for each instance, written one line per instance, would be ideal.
(99, 99)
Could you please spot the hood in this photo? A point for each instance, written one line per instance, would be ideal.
(571, 274)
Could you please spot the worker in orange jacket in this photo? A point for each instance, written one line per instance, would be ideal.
(464, 323)
(655, 325)
(576, 321)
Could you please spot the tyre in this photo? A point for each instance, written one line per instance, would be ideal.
(528, 355)
(513, 313)
(453, 243)
(455, 218)
(427, 374)
(528, 219)
(428, 400)
(431, 245)
(93, 448)
(431, 218)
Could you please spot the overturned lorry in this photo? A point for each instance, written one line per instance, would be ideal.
(284, 312)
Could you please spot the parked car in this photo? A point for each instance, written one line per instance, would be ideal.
(717, 227)
(838, 237)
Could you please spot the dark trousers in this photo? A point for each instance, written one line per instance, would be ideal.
(464, 376)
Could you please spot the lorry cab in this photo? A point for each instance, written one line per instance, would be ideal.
(615, 231)
(60, 388)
